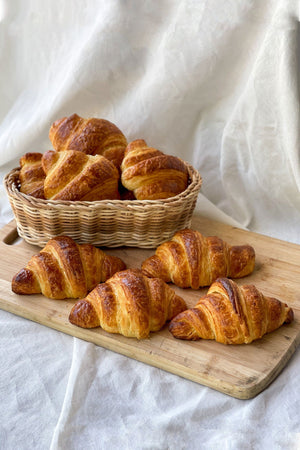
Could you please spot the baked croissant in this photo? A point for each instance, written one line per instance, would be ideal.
(91, 136)
(231, 314)
(151, 174)
(191, 260)
(73, 175)
(128, 303)
(65, 269)
(32, 175)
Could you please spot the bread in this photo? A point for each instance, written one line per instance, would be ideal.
(32, 175)
(91, 136)
(128, 303)
(72, 175)
(65, 269)
(151, 174)
(191, 260)
(231, 314)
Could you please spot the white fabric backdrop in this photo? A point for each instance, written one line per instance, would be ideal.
(214, 82)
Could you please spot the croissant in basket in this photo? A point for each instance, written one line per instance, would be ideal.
(191, 260)
(72, 175)
(65, 269)
(151, 174)
(231, 314)
(128, 303)
(32, 175)
(92, 136)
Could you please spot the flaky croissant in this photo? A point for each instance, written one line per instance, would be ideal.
(151, 174)
(32, 175)
(65, 269)
(73, 175)
(191, 260)
(92, 136)
(231, 314)
(128, 303)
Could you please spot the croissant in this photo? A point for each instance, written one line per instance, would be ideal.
(65, 269)
(191, 260)
(129, 304)
(73, 175)
(231, 314)
(91, 136)
(151, 174)
(32, 175)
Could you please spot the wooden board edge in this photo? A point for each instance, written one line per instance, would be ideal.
(244, 231)
(243, 391)
(9, 232)
(105, 340)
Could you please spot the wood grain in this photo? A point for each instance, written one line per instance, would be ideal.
(240, 371)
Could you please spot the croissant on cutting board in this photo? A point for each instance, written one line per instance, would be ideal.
(129, 304)
(65, 269)
(72, 175)
(191, 260)
(231, 314)
(32, 175)
(151, 174)
(91, 136)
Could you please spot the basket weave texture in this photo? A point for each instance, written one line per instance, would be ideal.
(108, 223)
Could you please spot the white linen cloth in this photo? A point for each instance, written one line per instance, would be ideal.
(213, 82)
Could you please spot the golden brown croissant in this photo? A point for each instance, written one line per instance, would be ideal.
(65, 269)
(231, 314)
(32, 175)
(128, 303)
(73, 175)
(191, 260)
(151, 174)
(91, 136)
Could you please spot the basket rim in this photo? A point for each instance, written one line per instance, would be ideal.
(11, 187)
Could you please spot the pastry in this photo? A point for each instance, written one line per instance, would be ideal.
(128, 303)
(65, 269)
(32, 175)
(231, 314)
(191, 260)
(91, 136)
(151, 174)
(72, 175)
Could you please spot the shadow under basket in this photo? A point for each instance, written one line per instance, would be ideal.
(108, 223)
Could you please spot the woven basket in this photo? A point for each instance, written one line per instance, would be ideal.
(109, 223)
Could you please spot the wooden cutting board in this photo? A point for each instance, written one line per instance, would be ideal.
(240, 371)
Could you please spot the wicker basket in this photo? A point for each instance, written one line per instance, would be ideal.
(109, 223)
